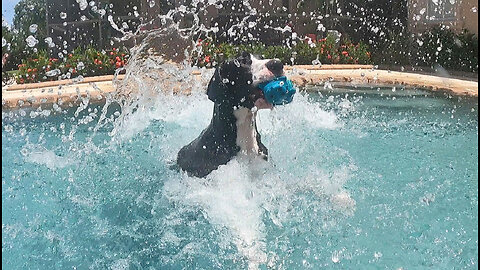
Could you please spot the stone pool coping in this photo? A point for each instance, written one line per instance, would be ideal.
(69, 91)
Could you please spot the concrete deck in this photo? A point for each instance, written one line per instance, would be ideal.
(70, 91)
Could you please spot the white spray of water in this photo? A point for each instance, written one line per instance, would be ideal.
(242, 196)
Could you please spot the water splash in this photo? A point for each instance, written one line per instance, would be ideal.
(241, 199)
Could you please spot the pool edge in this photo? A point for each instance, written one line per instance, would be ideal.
(98, 87)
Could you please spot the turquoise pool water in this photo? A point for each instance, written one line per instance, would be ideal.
(358, 178)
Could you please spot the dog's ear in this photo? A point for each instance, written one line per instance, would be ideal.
(216, 88)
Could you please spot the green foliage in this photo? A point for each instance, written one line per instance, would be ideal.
(27, 13)
(450, 50)
(304, 53)
(437, 46)
(326, 51)
(37, 68)
(394, 50)
(89, 62)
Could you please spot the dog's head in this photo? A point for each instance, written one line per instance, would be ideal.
(235, 82)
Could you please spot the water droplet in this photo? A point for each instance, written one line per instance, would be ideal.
(83, 4)
(317, 62)
(49, 42)
(79, 79)
(33, 28)
(4, 42)
(423, 10)
(52, 73)
(63, 15)
(151, 3)
(31, 41)
(80, 65)
(336, 257)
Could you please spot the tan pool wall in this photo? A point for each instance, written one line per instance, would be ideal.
(98, 88)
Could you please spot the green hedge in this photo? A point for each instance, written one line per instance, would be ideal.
(324, 51)
(81, 62)
(437, 46)
(450, 50)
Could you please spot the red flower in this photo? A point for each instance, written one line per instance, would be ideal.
(111, 53)
(29, 70)
(35, 70)
(329, 56)
(345, 53)
(118, 64)
(208, 59)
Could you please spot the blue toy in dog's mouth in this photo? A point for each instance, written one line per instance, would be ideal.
(279, 91)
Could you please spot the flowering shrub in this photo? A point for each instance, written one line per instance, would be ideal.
(37, 69)
(81, 62)
(324, 51)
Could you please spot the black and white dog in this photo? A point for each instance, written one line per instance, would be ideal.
(233, 129)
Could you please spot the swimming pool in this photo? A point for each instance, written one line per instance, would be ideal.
(358, 178)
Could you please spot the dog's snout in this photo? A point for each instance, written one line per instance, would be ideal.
(275, 66)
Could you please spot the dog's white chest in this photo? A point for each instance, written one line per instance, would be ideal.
(246, 132)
